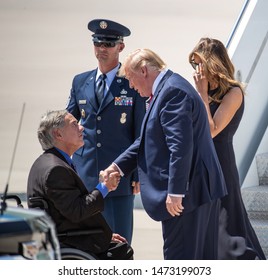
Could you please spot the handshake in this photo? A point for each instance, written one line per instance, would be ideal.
(110, 177)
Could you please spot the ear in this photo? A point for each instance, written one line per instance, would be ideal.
(56, 133)
(121, 47)
(144, 70)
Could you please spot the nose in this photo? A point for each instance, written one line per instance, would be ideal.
(81, 128)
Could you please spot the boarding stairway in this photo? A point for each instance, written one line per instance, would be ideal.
(248, 50)
(256, 202)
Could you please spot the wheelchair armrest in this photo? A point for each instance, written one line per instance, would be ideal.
(80, 232)
(38, 202)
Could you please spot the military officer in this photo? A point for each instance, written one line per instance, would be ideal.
(111, 114)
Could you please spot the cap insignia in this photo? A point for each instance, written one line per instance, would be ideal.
(103, 24)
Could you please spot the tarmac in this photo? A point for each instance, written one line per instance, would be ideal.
(147, 239)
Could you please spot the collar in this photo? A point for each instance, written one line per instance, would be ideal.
(158, 79)
(109, 76)
(66, 156)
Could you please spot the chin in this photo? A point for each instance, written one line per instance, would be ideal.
(81, 144)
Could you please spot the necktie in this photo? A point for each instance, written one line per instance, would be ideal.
(100, 88)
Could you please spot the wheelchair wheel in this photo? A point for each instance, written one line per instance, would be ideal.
(75, 254)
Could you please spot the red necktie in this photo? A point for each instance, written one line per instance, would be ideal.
(148, 101)
(150, 98)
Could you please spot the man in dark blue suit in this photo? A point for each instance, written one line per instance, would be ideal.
(111, 114)
(180, 176)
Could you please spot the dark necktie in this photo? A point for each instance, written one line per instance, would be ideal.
(100, 88)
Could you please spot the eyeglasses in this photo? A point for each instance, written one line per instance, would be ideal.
(194, 64)
(105, 44)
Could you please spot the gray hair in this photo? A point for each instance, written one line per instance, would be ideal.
(49, 122)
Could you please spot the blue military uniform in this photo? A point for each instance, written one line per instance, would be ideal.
(109, 129)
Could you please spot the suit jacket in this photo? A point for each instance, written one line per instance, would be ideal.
(109, 129)
(70, 205)
(175, 152)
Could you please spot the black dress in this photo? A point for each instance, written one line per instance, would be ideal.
(237, 237)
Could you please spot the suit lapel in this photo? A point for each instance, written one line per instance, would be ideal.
(158, 89)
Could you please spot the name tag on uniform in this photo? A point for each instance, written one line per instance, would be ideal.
(123, 101)
(82, 102)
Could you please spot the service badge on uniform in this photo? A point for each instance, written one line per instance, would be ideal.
(123, 101)
(82, 102)
(123, 92)
(83, 113)
(123, 118)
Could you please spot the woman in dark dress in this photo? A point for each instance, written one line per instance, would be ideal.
(223, 98)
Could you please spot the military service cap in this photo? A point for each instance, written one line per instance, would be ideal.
(107, 30)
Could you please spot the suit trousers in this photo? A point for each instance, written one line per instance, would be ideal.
(193, 235)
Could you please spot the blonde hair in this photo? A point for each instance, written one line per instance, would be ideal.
(217, 66)
(140, 58)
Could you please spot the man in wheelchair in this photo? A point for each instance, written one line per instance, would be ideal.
(53, 178)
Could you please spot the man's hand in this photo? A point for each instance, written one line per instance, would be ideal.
(118, 238)
(110, 177)
(135, 187)
(104, 174)
(174, 205)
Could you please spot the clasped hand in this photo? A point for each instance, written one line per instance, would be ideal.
(110, 177)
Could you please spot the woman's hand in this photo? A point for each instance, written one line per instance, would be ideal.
(201, 82)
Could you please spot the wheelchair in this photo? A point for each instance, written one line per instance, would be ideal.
(67, 253)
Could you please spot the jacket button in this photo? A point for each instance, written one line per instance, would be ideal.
(98, 131)
(98, 118)
(98, 145)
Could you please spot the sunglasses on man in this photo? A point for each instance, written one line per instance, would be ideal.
(105, 44)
